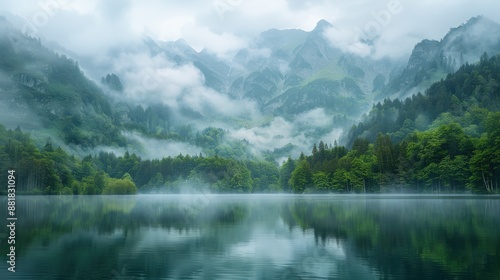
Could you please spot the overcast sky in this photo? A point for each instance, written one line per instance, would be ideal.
(223, 26)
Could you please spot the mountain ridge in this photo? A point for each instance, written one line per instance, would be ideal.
(342, 85)
(432, 60)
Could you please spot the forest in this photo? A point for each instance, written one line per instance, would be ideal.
(446, 140)
(445, 159)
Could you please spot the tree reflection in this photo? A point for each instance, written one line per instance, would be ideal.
(415, 238)
(205, 237)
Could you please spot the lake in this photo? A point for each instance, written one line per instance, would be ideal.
(206, 236)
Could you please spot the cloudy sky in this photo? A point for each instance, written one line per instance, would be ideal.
(224, 26)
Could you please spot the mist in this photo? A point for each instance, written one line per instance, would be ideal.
(111, 38)
(150, 148)
(224, 30)
(152, 79)
(156, 79)
(11, 114)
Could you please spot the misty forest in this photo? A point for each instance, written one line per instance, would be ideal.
(230, 139)
(291, 113)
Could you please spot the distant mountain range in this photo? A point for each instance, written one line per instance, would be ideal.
(285, 72)
(288, 72)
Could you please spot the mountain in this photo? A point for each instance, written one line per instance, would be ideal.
(44, 90)
(287, 73)
(432, 60)
(306, 89)
(279, 65)
(281, 70)
(302, 71)
(342, 97)
(465, 97)
(213, 69)
(274, 66)
(49, 95)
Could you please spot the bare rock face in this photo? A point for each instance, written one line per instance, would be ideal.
(30, 81)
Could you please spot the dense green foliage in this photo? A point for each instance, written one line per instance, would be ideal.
(423, 144)
(52, 171)
(464, 97)
(113, 82)
(444, 141)
(443, 159)
(191, 173)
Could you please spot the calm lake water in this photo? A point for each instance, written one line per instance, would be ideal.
(255, 237)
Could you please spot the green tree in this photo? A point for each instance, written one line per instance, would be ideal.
(238, 180)
(361, 171)
(384, 151)
(156, 181)
(286, 174)
(120, 186)
(341, 180)
(454, 173)
(321, 181)
(485, 163)
(301, 177)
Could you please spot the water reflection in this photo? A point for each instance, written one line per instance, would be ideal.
(256, 237)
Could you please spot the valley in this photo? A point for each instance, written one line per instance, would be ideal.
(162, 115)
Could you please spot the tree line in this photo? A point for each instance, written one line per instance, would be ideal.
(50, 170)
(443, 140)
(444, 159)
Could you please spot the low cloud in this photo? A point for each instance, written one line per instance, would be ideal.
(302, 132)
(154, 79)
(95, 29)
(224, 45)
(149, 148)
(348, 40)
(316, 118)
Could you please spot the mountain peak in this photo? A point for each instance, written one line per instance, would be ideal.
(182, 43)
(476, 19)
(481, 22)
(322, 25)
(462, 44)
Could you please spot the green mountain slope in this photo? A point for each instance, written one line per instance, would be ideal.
(53, 91)
(464, 96)
(298, 62)
(338, 97)
(446, 140)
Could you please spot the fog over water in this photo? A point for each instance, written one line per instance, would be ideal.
(207, 236)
